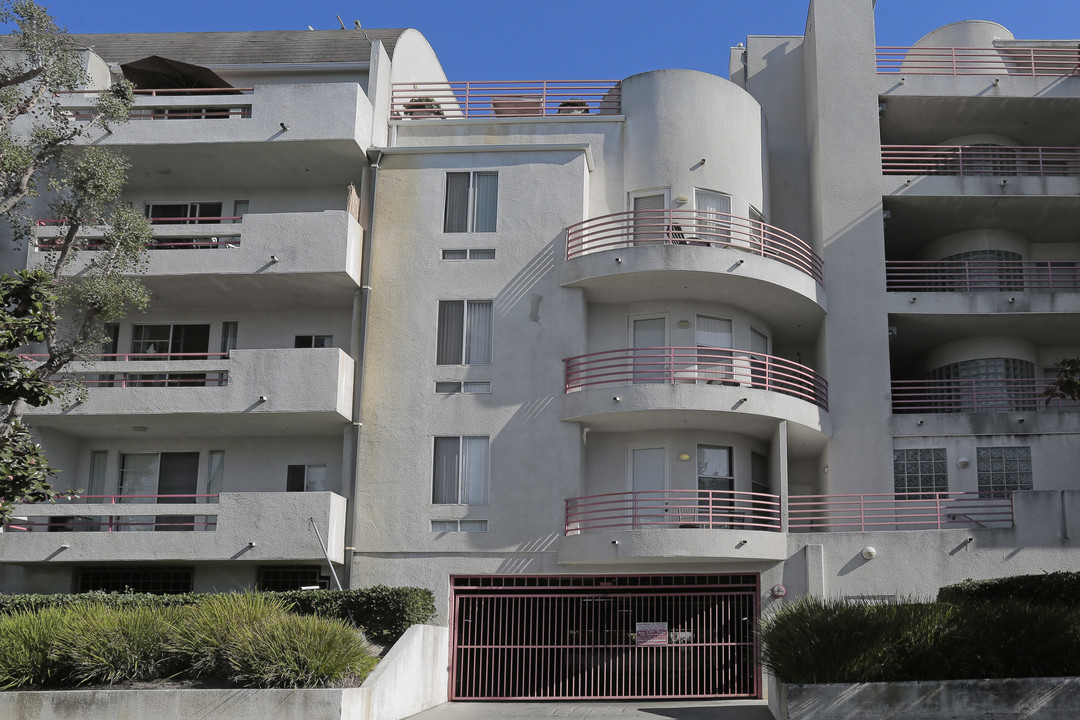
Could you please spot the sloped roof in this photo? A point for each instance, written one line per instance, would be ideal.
(242, 48)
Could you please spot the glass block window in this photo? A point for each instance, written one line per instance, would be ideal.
(984, 385)
(922, 470)
(986, 271)
(160, 580)
(984, 369)
(1003, 470)
(291, 577)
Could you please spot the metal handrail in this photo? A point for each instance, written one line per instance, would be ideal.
(509, 99)
(648, 509)
(700, 365)
(981, 275)
(986, 160)
(1004, 60)
(701, 228)
(974, 395)
(900, 511)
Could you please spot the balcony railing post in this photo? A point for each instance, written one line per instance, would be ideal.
(543, 98)
(671, 364)
(952, 52)
(862, 512)
(937, 509)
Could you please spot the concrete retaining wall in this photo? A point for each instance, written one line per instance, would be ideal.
(411, 678)
(1042, 698)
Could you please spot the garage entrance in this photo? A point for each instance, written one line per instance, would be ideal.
(603, 637)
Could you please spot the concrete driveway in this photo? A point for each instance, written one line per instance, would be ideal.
(690, 710)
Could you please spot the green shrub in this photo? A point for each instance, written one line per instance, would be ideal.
(201, 640)
(819, 641)
(298, 651)
(107, 645)
(26, 639)
(383, 613)
(1057, 588)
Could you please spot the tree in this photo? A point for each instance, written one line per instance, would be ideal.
(39, 148)
(1066, 386)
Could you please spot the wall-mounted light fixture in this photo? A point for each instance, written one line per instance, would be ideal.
(962, 462)
(869, 553)
(683, 457)
(683, 324)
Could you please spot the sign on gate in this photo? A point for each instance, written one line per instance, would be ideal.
(651, 633)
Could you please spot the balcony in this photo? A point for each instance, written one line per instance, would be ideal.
(268, 391)
(251, 527)
(899, 511)
(719, 388)
(967, 276)
(565, 99)
(975, 396)
(1010, 59)
(672, 524)
(248, 259)
(979, 160)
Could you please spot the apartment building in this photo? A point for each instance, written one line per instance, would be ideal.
(612, 367)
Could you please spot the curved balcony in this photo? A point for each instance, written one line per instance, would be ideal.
(696, 365)
(691, 228)
(661, 525)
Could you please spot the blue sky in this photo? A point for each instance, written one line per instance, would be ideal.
(563, 39)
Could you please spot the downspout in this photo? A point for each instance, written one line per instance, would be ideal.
(374, 156)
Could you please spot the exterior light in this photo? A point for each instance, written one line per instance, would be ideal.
(683, 457)
(683, 324)
(869, 553)
(682, 199)
(962, 462)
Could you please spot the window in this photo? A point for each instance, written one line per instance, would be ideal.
(921, 470)
(473, 254)
(460, 475)
(187, 342)
(161, 580)
(650, 217)
(468, 388)
(305, 478)
(291, 577)
(986, 386)
(453, 526)
(1003, 470)
(162, 478)
(314, 341)
(472, 200)
(184, 213)
(228, 335)
(464, 333)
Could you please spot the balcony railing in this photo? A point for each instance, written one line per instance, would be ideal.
(696, 365)
(215, 234)
(651, 509)
(1012, 60)
(996, 160)
(190, 516)
(982, 275)
(899, 511)
(215, 111)
(698, 228)
(495, 99)
(977, 396)
(147, 378)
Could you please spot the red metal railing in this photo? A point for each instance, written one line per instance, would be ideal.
(957, 396)
(979, 160)
(137, 356)
(981, 275)
(899, 511)
(154, 92)
(700, 228)
(646, 509)
(504, 99)
(707, 366)
(1010, 60)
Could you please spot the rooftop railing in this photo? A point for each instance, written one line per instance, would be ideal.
(974, 396)
(509, 99)
(696, 365)
(699, 228)
(899, 511)
(660, 509)
(982, 275)
(994, 160)
(1010, 60)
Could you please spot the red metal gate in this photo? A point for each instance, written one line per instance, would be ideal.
(611, 636)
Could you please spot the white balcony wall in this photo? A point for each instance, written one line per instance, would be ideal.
(259, 527)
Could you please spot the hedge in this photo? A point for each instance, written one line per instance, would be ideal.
(383, 613)
(1057, 588)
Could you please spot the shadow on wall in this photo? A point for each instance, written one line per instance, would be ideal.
(516, 565)
(518, 287)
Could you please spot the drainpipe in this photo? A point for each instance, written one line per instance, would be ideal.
(361, 316)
